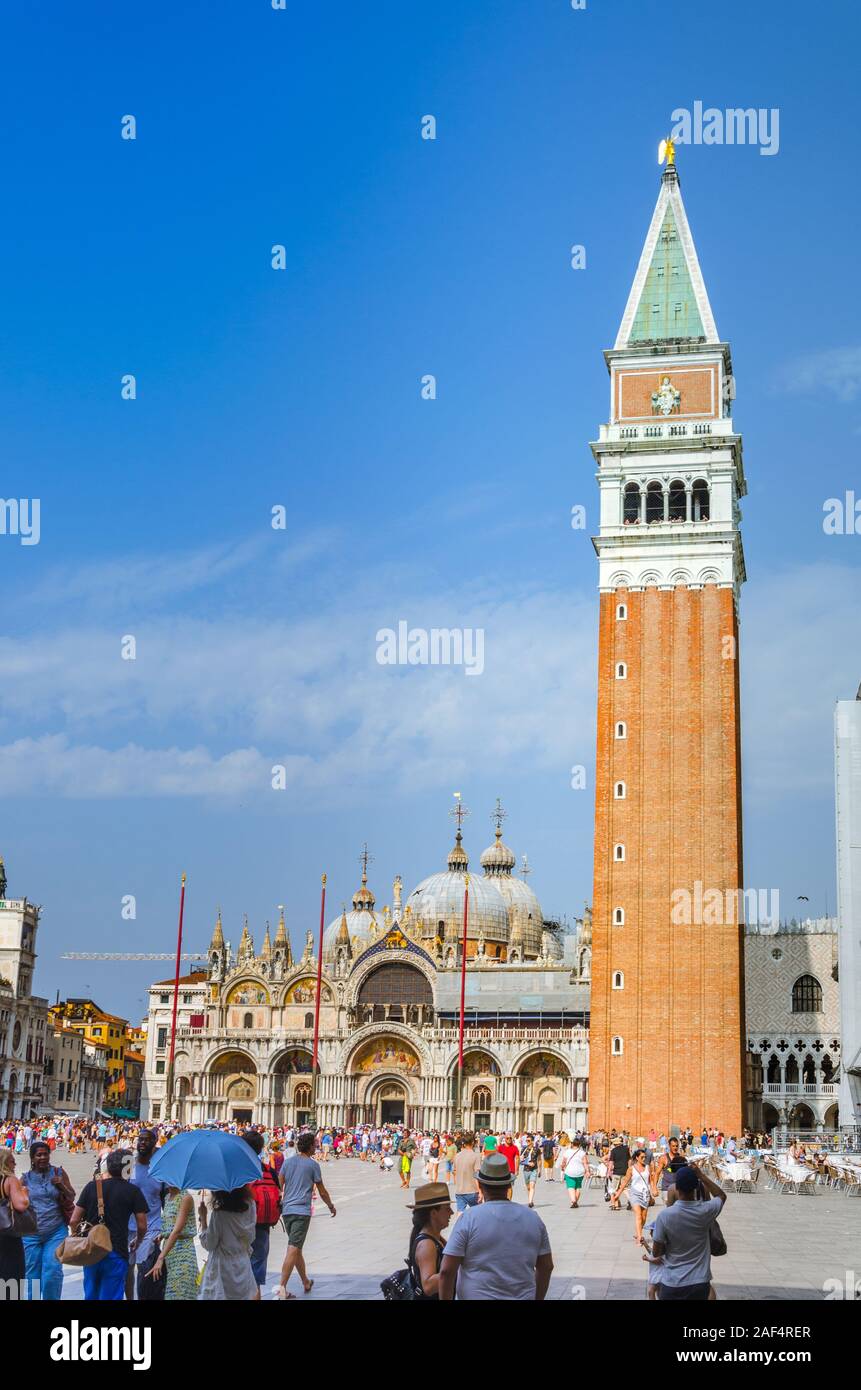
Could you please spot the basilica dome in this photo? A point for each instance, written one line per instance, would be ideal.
(439, 899)
(363, 922)
(525, 918)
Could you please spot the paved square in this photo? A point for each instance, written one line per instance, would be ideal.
(780, 1247)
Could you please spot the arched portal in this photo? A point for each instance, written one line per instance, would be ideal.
(770, 1116)
(542, 1081)
(383, 1080)
(802, 1117)
(389, 1100)
(232, 1086)
(290, 1086)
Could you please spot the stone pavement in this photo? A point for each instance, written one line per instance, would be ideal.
(780, 1247)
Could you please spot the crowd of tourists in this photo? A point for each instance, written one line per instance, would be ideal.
(497, 1249)
(150, 1227)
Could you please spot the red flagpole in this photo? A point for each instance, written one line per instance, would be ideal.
(462, 1004)
(317, 1003)
(175, 1002)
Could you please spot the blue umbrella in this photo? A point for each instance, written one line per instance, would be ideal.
(207, 1158)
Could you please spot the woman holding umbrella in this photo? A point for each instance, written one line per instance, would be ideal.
(224, 1165)
(227, 1234)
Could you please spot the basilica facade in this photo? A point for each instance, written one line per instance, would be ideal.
(389, 1010)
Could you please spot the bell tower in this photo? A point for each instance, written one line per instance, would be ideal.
(667, 1018)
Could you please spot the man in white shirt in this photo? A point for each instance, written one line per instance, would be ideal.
(498, 1251)
(682, 1237)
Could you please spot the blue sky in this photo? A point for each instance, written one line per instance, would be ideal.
(301, 388)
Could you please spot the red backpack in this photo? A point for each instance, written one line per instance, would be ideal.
(267, 1199)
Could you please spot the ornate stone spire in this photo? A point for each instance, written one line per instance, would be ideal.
(342, 939)
(282, 940)
(266, 948)
(217, 942)
(397, 889)
(246, 944)
(308, 953)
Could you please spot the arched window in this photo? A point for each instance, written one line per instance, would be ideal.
(482, 1099)
(631, 505)
(621, 612)
(654, 502)
(700, 500)
(808, 1071)
(621, 730)
(617, 1047)
(621, 671)
(619, 791)
(247, 1020)
(619, 917)
(678, 501)
(807, 995)
(309, 1020)
(792, 1070)
(396, 985)
(619, 852)
(618, 979)
(302, 1097)
(827, 1069)
(772, 1075)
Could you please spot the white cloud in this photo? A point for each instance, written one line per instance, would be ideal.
(209, 706)
(53, 764)
(836, 370)
(151, 581)
(307, 693)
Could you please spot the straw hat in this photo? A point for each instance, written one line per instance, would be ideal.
(432, 1194)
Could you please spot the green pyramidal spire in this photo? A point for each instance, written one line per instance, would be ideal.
(668, 305)
(668, 300)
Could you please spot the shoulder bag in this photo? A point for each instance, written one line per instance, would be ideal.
(88, 1249)
(12, 1222)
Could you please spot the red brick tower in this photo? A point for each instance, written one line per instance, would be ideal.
(667, 985)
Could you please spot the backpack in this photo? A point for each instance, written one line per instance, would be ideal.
(267, 1199)
(404, 1286)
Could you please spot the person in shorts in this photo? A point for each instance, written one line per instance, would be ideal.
(465, 1171)
(408, 1153)
(575, 1170)
(617, 1167)
(548, 1155)
(301, 1175)
(530, 1165)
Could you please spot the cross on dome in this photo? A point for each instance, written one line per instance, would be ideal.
(365, 858)
(460, 813)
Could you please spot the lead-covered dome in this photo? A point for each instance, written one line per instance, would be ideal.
(363, 923)
(498, 858)
(525, 919)
(439, 900)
